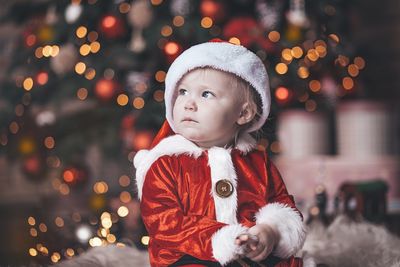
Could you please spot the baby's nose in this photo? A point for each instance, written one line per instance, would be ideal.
(190, 105)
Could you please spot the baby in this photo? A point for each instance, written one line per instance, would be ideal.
(208, 196)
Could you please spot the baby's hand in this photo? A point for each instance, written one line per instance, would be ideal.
(246, 242)
(259, 241)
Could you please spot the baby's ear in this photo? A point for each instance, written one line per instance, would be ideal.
(247, 114)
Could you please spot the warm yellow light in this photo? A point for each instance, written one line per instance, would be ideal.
(95, 47)
(111, 238)
(84, 50)
(347, 83)
(206, 22)
(44, 251)
(95, 242)
(14, 127)
(138, 103)
(31, 221)
(234, 40)
(145, 240)
(303, 72)
(106, 223)
(360, 62)
(47, 50)
(297, 52)
(64, 189)
(178, 21)
(55, 257)
(81, 32)
(90, 74)
(82, 93)
(274, 36)
(160, 76)
(158, 95)
(122, 100)
(125, 197)
(124, 181)
(39, 52)
(100, 187)
(49, 142)
(80, 67)
(59, 222)
(312, 54)
(124, 8)
(55, 50)
(321, 50)
(166, 31)
(33, 252)
(33, 232)
(156, 2)
(334, 38)
(43, 227)
(314, 85)
(352, 69)
(28, 84)
(70, 252)
(123, 211)
(287, 54)
(281, 68)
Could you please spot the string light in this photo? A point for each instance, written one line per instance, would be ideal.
(206, 22)
(178, 21)
(274, 36)
(122, 100)
(281, 68)
(234, 40)
(166, 31)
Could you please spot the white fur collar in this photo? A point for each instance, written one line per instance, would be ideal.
(176, 145)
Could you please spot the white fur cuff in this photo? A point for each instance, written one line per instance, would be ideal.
(223, 243)
(288, 223)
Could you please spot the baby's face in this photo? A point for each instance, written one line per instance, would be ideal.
(207, 108)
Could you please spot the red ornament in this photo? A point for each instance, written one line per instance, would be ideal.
(105, 89)
(172, 51)
(75, 175)
(142, 140)
(33, 167)
(213, 9)
(283, 95)
(248, 31)
(112, 27)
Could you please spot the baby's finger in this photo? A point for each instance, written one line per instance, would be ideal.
(241, 239)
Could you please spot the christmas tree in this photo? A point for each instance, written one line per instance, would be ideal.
(81, 91)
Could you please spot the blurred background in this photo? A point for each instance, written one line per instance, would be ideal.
(81, 91)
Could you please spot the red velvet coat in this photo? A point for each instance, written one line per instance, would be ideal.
(184, 215)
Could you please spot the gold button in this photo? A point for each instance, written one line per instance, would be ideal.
(224, 188)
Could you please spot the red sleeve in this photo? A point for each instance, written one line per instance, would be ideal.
(281, 213)
(172, 233)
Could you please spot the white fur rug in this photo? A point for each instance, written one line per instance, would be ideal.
(350, 244)
(343, 244)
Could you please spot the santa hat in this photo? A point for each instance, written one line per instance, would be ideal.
(223, 56)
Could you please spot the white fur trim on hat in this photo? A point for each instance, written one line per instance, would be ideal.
(222, 56)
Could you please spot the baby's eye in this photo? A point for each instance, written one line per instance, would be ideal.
(207, 94)
(182, 91)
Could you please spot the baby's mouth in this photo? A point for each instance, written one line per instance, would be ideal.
(188, 120)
